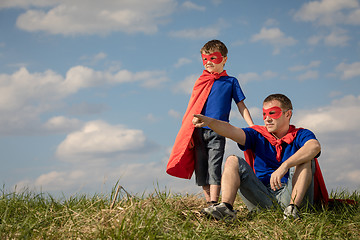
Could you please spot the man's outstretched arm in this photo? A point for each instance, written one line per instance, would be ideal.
(220, 127)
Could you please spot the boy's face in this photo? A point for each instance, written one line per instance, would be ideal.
(213, 62)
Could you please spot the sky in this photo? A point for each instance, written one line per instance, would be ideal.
(92, 93)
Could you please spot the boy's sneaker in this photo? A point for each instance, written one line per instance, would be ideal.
(291, 212)
(221, 211)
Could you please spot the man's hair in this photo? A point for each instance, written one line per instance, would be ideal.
(284, 100)
(214, 46)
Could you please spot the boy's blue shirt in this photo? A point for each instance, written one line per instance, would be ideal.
(223, 91)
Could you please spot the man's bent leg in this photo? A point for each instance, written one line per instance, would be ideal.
(301, 182)
(230, 181)
(252, 191)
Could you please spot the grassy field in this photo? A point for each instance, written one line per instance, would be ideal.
(162, 215)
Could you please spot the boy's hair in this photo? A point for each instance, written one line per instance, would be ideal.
(284, 100)
(214, 46)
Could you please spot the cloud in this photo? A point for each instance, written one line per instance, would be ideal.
(93, 17)
(330, 119)
(200, 33)
(131, 176)
(92, 60)
(312, 64)
(336, 127)
(182, 61)
(348, 70)
(192, 6)
(275, 37)
(174, 114)
(62, 124)
(336, 38)
(186, 86)
(252, 77)
(98, 141)
(25, 96)
(310, 74)
(330, 12)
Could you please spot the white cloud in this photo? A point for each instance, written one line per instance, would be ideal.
(275, 37)
(174, 114)
(24, 96)
(310, 74)
(336, 127)
(182, 61)
(312, 64)
(337, 37)
(330, 12)
(98, 140)
(62, 124)
(151, 118)
(251, 76)
(131, 177)
(271, 22)
(348, 70)
(193, 6)
(332, 118)
(187, 85)
(200, 33)
(28, 3)
(94, 17)
(92, 60)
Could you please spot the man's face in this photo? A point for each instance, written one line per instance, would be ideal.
(213, 62)
(275, 118)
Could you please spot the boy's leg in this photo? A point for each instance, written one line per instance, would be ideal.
(216, 148)
(201, 162)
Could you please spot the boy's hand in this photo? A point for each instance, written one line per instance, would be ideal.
(200, 120)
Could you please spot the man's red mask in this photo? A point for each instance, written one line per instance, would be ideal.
(215, 57)
(273, 112)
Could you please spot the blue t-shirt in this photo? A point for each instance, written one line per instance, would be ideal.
(265, 162)
(218, 103)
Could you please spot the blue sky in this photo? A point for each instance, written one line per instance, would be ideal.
(93, 92)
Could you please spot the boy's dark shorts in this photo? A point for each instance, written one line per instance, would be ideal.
(209, 153)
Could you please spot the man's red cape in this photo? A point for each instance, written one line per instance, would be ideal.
(320, 192)
(182, 159)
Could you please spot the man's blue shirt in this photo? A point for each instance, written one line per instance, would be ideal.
(265, 162)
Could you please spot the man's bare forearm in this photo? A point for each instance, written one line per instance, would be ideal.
(220, 127)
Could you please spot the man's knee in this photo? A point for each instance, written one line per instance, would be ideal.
(232, 162)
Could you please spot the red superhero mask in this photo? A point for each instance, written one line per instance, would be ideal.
(273, 112)
(215, 57)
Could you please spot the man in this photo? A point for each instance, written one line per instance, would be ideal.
(282, 167)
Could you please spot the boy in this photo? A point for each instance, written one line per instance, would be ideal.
(212, 96)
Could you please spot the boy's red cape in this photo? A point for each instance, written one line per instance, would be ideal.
(320, 192)
(181, 161)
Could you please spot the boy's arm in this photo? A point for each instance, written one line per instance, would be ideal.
(220, 127)
(245, 113)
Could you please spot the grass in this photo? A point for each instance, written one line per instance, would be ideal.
(162, 215)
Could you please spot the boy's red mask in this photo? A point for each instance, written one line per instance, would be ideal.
(273, 112)
(215, 57)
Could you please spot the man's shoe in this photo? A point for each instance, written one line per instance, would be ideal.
(291, 212)
(221, 211)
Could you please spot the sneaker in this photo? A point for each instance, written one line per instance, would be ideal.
(221, 211)
(291, 212)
